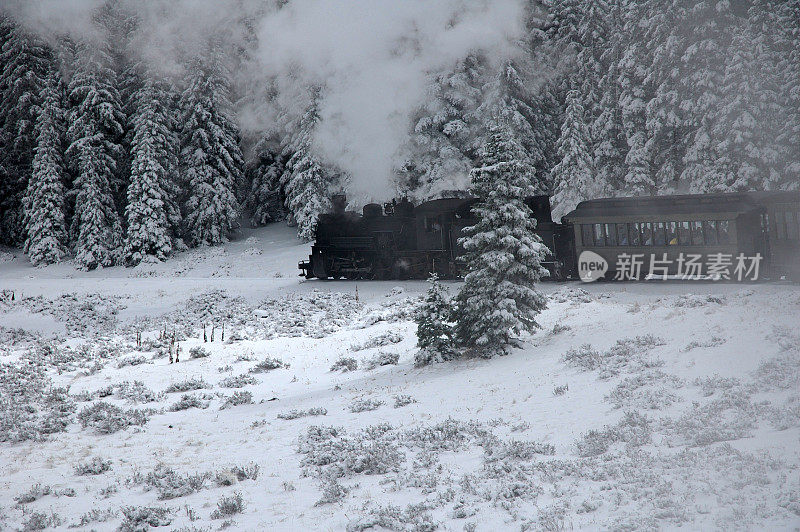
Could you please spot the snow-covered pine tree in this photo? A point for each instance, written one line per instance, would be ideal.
(701, 66)
(434, 325)
(305, 181)
(783, 19)
(151, 211)
(95, 134)
(635, 92)
(745, 124)
(211, 156)
(46, 241)
(507, 99)
(503, 256)
(24, 65)
(666, 128)
(266, 199)
(608, 137)
(440, 144)
(574, 176)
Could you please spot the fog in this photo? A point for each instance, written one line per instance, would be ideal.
(372, 59)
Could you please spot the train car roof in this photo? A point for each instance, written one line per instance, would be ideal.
(729, 203)
(444, 204)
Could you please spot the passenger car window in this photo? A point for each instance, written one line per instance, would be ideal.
(697, 234)
(723, 228)
(780, 229)
(599, 237)
(647, 234)
(672, 233)
(634, 232)
(611, 235)
(622, 235)
(684, 234)
(586, 235)
(791, 225)
(710, 232)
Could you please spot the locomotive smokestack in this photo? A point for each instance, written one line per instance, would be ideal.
(339, 203)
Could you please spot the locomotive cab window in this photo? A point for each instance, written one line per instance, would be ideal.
(432, 224)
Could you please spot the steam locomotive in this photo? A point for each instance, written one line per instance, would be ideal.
(401, 241)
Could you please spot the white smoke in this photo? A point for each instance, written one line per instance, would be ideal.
(373, 59)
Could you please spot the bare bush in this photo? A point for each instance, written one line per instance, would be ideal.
(268, 364)
(345, 364)
(171, 484)
(36, 492)
(95, 466)
(295, 414)
(381, 340)
(106, 418)
(403, 400)
(228, 506)
(188, 401)
(139, 518)
(364, 405)
(381, 359)
(634, 429)
(198, 352)
(188, 385)
(137, 392)
(331, 451)
(238, 381)
(238, 398)
(136, 360)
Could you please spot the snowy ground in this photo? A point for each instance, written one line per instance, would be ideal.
(636, 406)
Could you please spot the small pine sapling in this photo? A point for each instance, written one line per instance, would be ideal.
(434, 325)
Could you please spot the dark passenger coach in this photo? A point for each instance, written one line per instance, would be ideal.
(672, 228)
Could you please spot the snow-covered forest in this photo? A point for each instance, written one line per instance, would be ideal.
(131, 130)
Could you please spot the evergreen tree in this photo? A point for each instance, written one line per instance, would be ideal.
(744, 126)
(666, 128)
(574, 176)
(305, 181)
(434, 327)
(635, 92)
(443, 127)
(151, 211)
(782, 18)
(46, 241)
(709, 26)
(24, 65)
(506, 100)
(502, 254)
(608, 137)
(265, 200)
(211, 155)
(95, 134)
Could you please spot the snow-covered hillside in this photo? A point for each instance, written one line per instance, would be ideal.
(636, 406)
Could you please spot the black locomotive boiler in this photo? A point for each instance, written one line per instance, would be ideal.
(401, 241)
